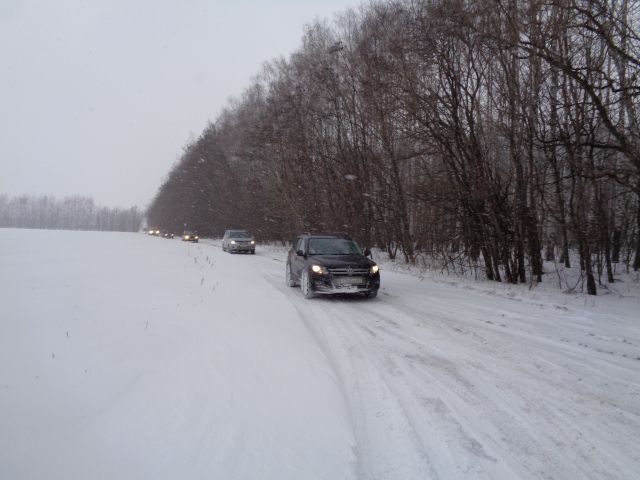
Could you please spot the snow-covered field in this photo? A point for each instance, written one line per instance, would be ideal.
(124, 356)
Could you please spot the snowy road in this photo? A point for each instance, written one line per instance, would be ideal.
(125, 356)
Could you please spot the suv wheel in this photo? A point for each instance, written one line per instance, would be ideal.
(305, 285)
(288, 277)
(371, 294)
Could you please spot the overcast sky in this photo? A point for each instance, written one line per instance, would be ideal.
(98, 97)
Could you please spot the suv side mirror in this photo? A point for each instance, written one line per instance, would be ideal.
(300, 253)
(367, 252)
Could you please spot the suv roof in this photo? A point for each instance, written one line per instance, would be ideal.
(326, 235)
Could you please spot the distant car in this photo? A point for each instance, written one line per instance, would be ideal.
(167, 235)
(238, 241)
(189, 236)
(329, 264)
(154, 231)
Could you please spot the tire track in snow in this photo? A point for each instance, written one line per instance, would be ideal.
(453, 450)
(388, 444)
(552, 413)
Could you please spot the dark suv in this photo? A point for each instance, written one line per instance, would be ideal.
(326, 264)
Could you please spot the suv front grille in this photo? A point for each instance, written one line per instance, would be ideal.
(349, 271)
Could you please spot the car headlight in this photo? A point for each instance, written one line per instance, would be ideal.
(253, 242)
(375, 269)
(186, 237)
(196, 237)
(318, 269)
(233, 242)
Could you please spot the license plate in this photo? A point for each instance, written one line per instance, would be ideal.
(349, 281)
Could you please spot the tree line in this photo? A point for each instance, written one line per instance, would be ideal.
(69, 213)
(478, 136)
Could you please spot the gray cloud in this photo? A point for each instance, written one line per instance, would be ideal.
(98, 97)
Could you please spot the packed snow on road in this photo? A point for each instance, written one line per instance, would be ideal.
(130, 357)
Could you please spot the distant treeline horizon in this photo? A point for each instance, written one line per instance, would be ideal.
(472, 136)
(74, 212)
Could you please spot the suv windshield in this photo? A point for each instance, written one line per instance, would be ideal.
(333, 246)
(239, 234)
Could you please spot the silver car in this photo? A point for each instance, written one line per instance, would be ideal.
(238, 241)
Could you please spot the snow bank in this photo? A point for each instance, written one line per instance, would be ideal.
(125, 356)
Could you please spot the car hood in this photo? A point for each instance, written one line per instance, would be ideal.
(342, 261)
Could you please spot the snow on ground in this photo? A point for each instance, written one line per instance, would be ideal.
(127, 356)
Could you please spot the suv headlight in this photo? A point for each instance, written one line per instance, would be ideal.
(374, 269)
(253, 242)
(233, 242)
(318, 269)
